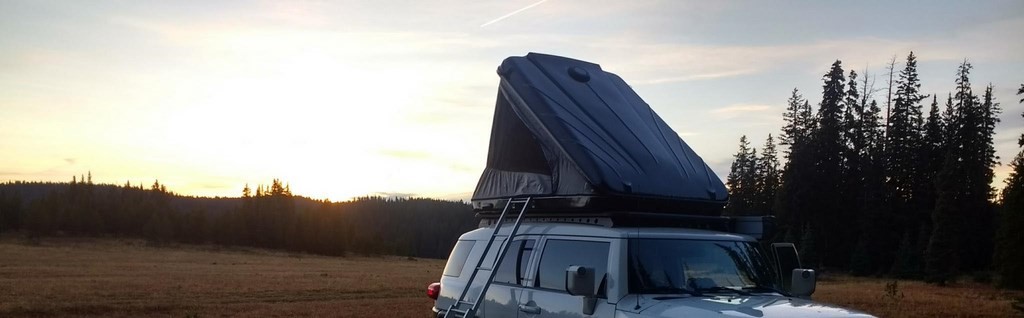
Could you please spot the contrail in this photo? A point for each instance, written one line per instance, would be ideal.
(512, 13)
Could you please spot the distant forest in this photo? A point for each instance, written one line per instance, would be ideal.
(889, 187)
(267, 217)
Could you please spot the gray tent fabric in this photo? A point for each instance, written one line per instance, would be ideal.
(564, 127)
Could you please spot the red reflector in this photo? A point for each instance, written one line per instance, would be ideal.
(434, 290)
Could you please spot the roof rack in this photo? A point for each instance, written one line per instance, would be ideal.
(556, 211)
(591, 204)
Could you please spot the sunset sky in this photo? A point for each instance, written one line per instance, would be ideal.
(351, 98)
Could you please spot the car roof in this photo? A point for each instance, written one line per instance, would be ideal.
(585, 230)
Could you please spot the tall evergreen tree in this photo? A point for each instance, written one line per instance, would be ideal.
(742, 181)
(910, 255)
(768, 178)
(1009, 256)
(799, 122)
(870, 256)
(852, 140)
(963, 188)
(872, 253)
(934, 144)
(903, 145)
(979, 220)
(828, 170)
(790, 204)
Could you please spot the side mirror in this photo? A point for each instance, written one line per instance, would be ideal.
(803, 283)
(579, 281)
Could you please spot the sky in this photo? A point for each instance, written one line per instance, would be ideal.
(350, 98)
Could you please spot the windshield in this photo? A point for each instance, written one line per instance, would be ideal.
(671, 266)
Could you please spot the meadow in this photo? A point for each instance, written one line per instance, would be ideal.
(130, 278)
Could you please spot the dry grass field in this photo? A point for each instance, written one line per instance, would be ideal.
(112, 278)
(107, 278)
(917, 299)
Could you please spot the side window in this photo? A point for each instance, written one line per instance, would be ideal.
(560, 254)
(458, 258)
(513, 267)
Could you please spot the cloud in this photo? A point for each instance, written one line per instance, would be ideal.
(737, 110)
(685, 78)
(70, 161)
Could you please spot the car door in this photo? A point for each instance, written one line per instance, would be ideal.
(502, 299)
(545, 297)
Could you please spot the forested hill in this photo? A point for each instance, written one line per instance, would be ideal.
(269, 217)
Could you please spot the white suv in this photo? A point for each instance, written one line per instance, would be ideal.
(581, 270)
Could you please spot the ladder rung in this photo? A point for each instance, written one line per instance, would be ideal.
(481, 268)
(466, 302)
(460, 311)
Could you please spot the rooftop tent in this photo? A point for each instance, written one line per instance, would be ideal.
(567, 131)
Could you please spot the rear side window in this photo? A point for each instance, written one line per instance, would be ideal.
(513, 267)
(458, 258)
(560, 254)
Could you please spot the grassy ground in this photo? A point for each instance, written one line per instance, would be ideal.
(110, 278)
(129, 279)
(917, 299)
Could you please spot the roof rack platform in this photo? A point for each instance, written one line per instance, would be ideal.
(558, 210)
(590, 204)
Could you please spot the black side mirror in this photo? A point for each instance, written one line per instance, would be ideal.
(579, 281)
(804, 283)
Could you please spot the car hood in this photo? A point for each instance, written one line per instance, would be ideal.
(731, 306)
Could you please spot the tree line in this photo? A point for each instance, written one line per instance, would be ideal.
(267, 217)
(900, 191)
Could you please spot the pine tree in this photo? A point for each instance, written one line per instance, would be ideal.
(934, 145)
(872, 254)
(909, 262)
(798, 122)
(790, 203)
(853, 121)
(1009, 256)
(903, 144)
(827, 175)
(963, 187)
(742, 181)
(851, 186)
(979, 219)
(768, 178)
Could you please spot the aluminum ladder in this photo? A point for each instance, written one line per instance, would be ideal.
(458, 309)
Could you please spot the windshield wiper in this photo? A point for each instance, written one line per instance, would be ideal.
(719, 289)
(766, 289)
(671, 290)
